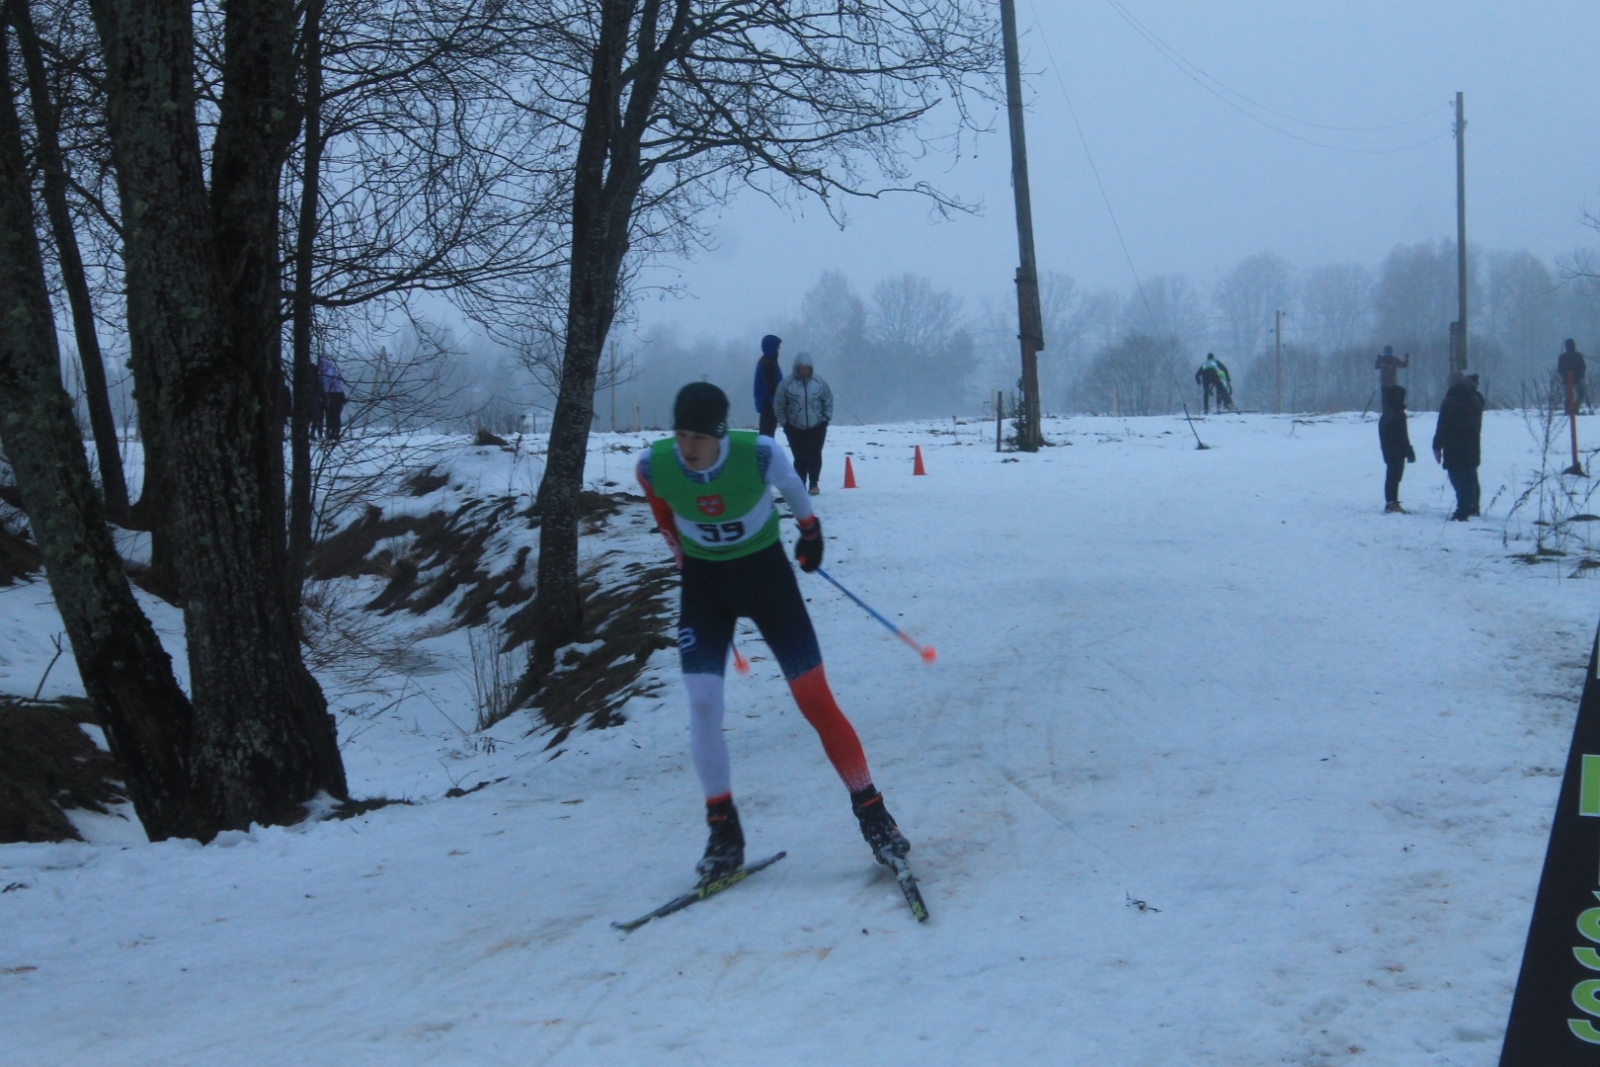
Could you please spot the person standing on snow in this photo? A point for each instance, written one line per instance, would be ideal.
(710, 491)
(1394, 438)
(768, 377)
(804, 407)
(1213, 377)
(1572, 362)
(1389, 367)
(1457, 442)
(332, 397)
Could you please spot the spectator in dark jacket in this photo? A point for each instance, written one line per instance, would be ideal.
(1395, 439)
(1572, 362)
(1456, 443)
(1389, 366)
(768, 376)
(332, 383)
(318, 406)
(804, 406)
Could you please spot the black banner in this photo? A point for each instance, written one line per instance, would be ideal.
(1555, 1015)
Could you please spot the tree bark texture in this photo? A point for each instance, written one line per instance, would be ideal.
(606, 185)
(156, 510)
(203, 286)
(302, 310)
(48, 148)
(126, 673)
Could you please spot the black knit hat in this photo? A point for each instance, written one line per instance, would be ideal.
(701, 408)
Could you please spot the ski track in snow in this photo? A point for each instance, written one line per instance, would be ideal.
(1321, 743)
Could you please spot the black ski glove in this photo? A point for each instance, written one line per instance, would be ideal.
(808, 550)
(1411, 455)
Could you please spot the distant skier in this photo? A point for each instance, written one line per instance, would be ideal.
(1389, 367)
(1457, 442)
(710, 491)
(1572, 362)
(1394, 438)
(768, 377)
(804, 407)
(1213, 377)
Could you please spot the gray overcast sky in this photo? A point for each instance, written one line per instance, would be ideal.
(1195, 184)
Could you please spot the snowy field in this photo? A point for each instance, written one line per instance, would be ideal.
(1320, 744)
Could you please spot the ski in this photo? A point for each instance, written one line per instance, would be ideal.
(908, 886)
(701, 892)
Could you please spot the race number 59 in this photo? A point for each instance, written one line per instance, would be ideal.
(720, 533)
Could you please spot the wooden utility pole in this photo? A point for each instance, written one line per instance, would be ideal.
(1458, 350)
(1030, 323)
(1277, 400)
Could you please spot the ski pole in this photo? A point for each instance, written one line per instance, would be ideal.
(925, 651)
(1198, 444)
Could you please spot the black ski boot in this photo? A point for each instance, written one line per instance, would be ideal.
(877, 826)
(725, 848)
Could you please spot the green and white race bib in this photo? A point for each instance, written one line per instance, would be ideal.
(729, 516)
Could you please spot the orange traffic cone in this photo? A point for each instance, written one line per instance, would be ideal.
(849, 474)
(916, 468)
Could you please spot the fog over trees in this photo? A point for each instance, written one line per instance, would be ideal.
(900, 347)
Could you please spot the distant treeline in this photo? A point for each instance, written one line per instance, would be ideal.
(905, 349)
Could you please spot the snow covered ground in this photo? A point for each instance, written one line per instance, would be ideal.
(1320, 744)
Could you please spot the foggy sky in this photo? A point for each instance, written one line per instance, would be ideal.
(1195, 184)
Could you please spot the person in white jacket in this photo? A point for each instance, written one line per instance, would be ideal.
(804, 406)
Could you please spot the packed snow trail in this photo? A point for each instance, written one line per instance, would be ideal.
(1319, 743)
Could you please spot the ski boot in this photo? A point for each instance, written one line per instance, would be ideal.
(877, 826)
(725, 848)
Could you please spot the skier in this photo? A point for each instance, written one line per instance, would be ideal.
(1213, 376)
(804, 406)
(710, 491)
(1572, 362)
(1395, 440)
(1457, 441)
(768, 376)
(1389, 367)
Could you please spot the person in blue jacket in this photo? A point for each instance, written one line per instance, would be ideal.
(768, 376)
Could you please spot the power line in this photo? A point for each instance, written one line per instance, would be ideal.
(1206, 82)
(1093, 169)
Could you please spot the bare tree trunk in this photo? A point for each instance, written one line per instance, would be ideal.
(125, 671)
(156, 510)
(204, 281)
(303, 309)
(48, 147)
(602, 209)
